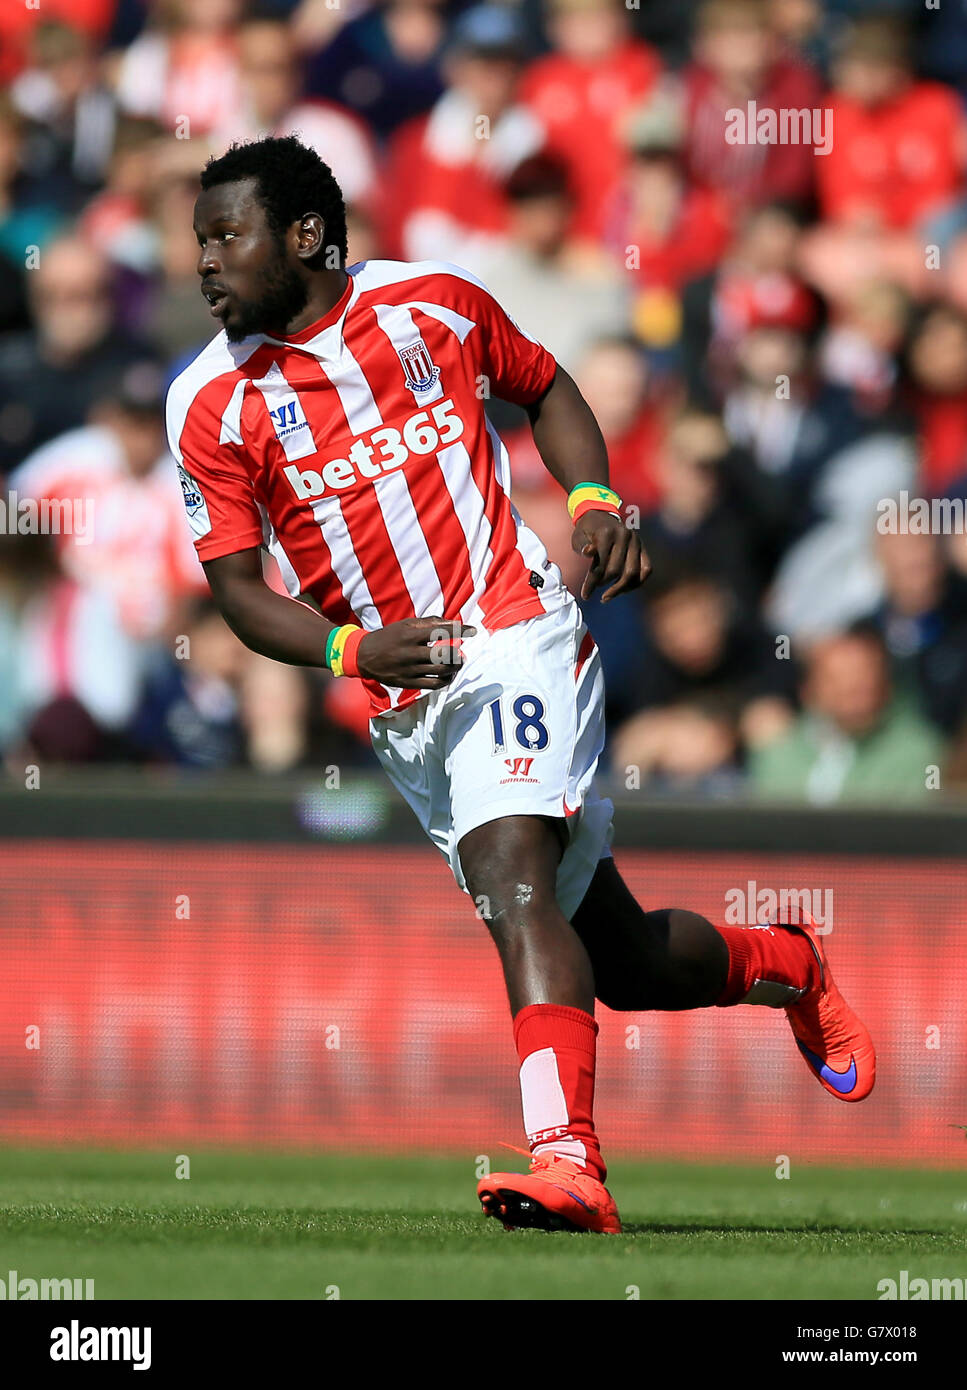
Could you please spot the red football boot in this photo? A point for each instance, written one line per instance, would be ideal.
(556, 1195)
(834, 1043)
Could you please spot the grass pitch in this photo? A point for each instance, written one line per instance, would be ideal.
(248, 1226)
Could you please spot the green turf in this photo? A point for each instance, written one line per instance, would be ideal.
(283, 1226)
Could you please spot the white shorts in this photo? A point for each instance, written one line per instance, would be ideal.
(518, 732)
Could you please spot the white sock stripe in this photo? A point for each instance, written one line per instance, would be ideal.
(541, 1093)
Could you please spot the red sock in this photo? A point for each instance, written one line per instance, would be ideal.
(556, 1046)
(767, 965)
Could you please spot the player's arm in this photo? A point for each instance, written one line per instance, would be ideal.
(567, 438)
(417, 653)
(571, 445)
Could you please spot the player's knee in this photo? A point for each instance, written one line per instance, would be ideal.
(617, 996)
(510, 907)
(629, 995)
(633, 964)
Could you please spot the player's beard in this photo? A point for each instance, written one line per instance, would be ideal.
(285, 295)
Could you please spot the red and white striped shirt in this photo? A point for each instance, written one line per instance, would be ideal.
(358, 452)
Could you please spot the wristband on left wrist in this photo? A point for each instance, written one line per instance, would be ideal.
(592, 497)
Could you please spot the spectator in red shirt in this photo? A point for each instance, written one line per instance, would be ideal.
(737, 60)
(445, 172)
(130, 543)
(663, 231)
(897, 150)
(758, 274)
(17, 24)
(615, 381)
(273, 103)
(126, 564)
(539, 266)
(583, 92)
(184, 72)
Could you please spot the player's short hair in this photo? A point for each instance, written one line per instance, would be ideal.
(292, 181)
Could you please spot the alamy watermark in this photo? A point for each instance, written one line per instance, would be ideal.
(14, 1287)
(752, 906)
(47, 516)
(918, 1289)
(77, 1343)
(790, 125)
(920, 516)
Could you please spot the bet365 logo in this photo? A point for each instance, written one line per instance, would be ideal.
(380, 451)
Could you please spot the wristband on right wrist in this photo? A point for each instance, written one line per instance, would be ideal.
(341, 647)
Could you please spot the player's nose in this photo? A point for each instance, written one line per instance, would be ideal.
(207, 263)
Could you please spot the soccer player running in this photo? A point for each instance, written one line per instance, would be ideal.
(338, 421)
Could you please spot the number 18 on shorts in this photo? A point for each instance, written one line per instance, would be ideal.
(518, 732)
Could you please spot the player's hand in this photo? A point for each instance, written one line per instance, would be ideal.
(618, 558)
(416, 653)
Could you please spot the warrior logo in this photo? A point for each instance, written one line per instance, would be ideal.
(418, 369)
(519, 767)
(285, 418)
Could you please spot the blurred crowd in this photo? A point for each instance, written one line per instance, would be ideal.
(772, 333)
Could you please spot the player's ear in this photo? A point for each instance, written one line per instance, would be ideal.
(311, 234)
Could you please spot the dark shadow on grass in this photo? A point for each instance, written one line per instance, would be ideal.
(807, 1228)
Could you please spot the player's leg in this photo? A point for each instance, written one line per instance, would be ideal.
(523, 729)
(672, 959)
(510, 867)
(485, 797)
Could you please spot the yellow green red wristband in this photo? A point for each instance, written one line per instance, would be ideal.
(341, 649)
(587, 497)
(594, 506)
(350, 665)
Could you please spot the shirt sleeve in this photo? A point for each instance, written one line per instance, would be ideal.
(216, 488)
(517, 367)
